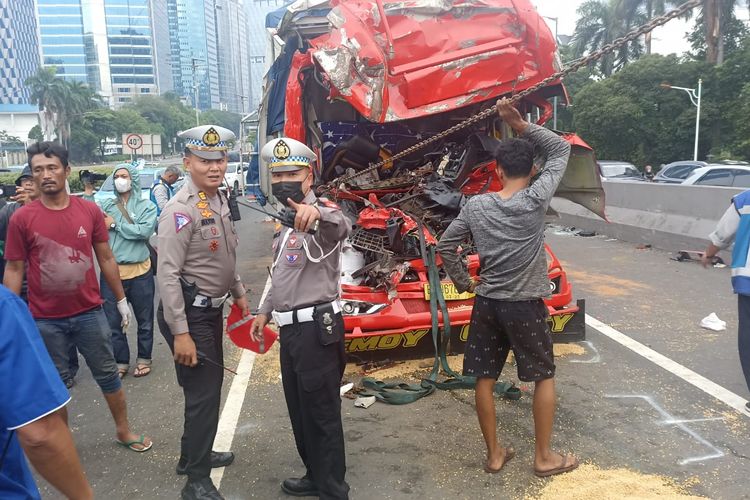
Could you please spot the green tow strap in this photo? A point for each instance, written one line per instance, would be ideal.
(403, 393)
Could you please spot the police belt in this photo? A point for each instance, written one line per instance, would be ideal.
(304, 315)
(209, 302)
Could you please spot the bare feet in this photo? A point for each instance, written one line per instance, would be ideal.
(496, 463)
(554, 463)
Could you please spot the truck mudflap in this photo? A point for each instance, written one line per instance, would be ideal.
(567, 324)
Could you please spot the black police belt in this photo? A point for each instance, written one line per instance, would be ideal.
(206, 302)
(304, 315)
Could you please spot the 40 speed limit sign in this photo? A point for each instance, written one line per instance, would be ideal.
(134, 141)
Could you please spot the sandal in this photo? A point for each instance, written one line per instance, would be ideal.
(141, 371)
(122, 372)
(509, 453)
(133, 445)
(563, 467)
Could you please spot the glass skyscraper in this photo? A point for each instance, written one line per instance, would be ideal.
(119, 47)
(256, 15)
(193, 42)
(19, 59)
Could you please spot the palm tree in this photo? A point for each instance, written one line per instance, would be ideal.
(599, 23)
(49, 92)
(79, 98)
(714, 16)
(649, 9)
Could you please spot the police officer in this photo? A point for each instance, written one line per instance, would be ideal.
(196, 270)
(303, 300)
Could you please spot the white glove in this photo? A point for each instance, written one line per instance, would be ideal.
(124, 309)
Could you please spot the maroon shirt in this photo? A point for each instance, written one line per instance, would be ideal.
(57, 248)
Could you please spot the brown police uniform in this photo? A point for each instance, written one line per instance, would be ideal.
(303, 300)
(197, 246)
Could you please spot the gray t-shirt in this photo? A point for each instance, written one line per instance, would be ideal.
(509, 234)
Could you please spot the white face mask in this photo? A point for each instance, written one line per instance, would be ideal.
(122, 185)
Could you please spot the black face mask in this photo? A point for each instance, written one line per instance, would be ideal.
(288, 189)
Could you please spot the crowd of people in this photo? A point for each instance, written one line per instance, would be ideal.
(56, 306)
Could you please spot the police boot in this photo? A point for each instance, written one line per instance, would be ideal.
(218, 459)
(300, 487)
(200, 489)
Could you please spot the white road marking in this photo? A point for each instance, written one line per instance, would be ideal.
(596, 358)
(715, 452)
(230, 415)
(711, 388)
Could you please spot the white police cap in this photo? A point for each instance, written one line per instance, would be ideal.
(207, 141)
(287, 155)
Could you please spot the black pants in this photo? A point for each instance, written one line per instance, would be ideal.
(201, 386)
(311, 373)
(743, 335)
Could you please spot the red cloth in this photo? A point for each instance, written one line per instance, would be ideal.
(57, 248)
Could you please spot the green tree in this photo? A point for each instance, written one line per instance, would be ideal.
(222, 118)
(49, 92)
(599, 23)
(35, 134)
(167, 111)
(9, 140)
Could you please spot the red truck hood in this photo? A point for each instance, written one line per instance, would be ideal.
(406, 59)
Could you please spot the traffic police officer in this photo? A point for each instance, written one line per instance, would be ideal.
(303, 300)
(196, 270)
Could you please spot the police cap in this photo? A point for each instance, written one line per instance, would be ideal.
(287, 155)
(207, 141)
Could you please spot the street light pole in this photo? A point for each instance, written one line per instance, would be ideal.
(554, 100)
(242, 161)
(695, 98)
(195, 91)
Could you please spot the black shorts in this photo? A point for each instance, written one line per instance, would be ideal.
(498, 326)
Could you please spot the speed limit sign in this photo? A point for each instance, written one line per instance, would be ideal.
(134, 141)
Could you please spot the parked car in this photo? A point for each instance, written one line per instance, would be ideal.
(619, 170)
(677, 171)
(233, 174)
(720, 174)
(107, 189)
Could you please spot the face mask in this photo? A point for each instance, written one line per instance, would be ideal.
(122, 185)
(291, 189)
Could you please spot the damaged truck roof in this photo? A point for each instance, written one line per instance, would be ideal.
(400, 60)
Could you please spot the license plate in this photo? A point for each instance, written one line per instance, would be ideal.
(449, 292)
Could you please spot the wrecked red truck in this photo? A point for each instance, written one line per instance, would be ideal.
(359, 81)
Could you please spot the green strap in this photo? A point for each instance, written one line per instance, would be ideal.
(402, 393)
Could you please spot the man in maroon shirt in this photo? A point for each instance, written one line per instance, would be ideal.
(52, 240)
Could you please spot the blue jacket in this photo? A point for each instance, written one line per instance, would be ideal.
(128, 240)
(169, 190)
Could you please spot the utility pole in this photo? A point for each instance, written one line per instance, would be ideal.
(195, 90)
(242, 161)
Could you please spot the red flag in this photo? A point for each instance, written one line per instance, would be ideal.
(238, 329)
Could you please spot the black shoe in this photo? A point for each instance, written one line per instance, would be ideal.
(200, 489)
(218, 459)
(300, 487)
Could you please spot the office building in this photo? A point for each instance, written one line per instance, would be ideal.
(19, 59)
(234, 71)
(256, 13)
(194, 57)
(120, 48)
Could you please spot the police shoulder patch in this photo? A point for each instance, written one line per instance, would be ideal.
(328, 203)
(181, 220)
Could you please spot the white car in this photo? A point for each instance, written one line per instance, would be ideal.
(719, 174)
(234, 172)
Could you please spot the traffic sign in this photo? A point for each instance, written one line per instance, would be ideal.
(134, 141)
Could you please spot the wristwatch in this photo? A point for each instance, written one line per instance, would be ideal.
(112, 226)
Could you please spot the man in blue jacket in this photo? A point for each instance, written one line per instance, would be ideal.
(734, 226)
(131, 221)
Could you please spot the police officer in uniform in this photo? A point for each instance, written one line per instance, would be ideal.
(196, 273)
(303, 300)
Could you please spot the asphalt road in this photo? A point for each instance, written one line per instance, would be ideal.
(616, 408)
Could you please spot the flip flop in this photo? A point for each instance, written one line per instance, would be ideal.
(509, 453)
(558, 470)
(121, 372)
(131, 444)
(141, 371)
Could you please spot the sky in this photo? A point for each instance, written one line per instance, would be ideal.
(668, 39)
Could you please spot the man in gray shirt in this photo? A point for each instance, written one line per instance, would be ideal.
(507, 228)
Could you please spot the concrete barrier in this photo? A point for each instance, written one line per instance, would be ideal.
(667, 216)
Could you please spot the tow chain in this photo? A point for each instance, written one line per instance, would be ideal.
(574, 66)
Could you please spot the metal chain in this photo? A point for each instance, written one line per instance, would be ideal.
(574, 66)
